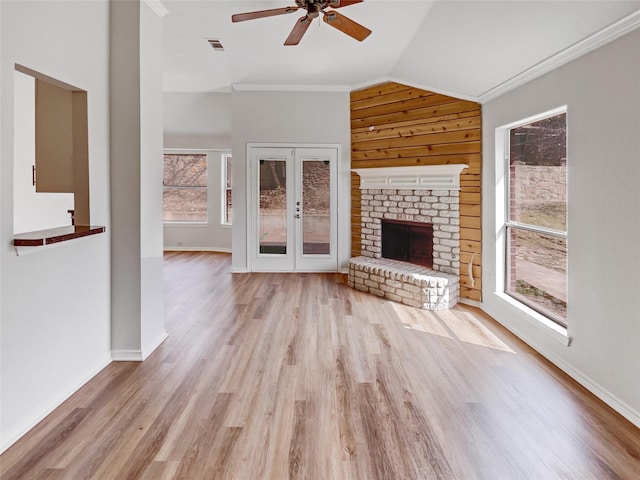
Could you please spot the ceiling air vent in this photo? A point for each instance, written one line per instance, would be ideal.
(215, 44)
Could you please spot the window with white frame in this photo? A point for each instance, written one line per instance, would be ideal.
(536, 217)
(185, 187)
(226, 189)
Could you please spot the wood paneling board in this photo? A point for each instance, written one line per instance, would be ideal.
(471, 222)
(402, 106)
(395, 125)
(393, 97)
(454, 137)
(283, 376)
(414, 130)
(378, 90)
(429, 150)
(471, 233)
(418, 114)
(471, 294)
(409, 123)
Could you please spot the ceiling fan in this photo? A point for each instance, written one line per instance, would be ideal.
(314, 8)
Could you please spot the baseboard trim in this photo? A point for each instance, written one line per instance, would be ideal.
(602, 393)
(239, 270)
(15, 433)
(594, 387)
(197, 249)
(126, 355)
(471, 303)
(152, 347)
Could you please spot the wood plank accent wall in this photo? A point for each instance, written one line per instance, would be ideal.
(418, 127)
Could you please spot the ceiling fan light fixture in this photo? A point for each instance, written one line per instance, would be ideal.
(313, 10)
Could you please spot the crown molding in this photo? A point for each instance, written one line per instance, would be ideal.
(290, 88)
(588, 44)
(158, 7)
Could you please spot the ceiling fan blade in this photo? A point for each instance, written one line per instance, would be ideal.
(298, 31)
(241, 17)
(342, 3)
(346, 25)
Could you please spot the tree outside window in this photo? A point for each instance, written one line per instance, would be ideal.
(185, 188)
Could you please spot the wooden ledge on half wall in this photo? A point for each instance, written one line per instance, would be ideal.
(51, 236)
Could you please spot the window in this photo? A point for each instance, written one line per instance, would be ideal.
(185, 187)
(536, 221)
(226, 189)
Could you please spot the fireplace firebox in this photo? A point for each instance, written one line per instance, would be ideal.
(408, 241)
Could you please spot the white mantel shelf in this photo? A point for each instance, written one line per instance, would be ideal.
(419, 177)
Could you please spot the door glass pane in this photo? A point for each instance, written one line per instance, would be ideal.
(273, 207)
(537, 272)
(316, 207)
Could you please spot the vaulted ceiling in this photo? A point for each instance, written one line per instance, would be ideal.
(464, 48)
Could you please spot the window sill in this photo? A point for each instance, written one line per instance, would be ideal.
(538, 320)
(39, 240)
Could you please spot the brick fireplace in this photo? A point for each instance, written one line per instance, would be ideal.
(426, 196)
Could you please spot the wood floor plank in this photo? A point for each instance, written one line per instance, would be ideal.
(296, 376)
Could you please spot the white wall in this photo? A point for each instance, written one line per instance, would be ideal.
(602, 94)
(31, 210)
(136, 180)
(55, 304)
(151, 235)
(200, 121)
(125, 175)
(289, 117)
(197, 120)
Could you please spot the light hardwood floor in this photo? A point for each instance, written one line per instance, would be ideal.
(296, 376)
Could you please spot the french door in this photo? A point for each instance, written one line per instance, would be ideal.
(293, 209)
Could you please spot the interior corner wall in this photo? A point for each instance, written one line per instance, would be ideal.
(54, 304)
(288, 118)
(601, 92)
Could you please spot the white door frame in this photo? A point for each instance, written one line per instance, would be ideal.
(251, 204)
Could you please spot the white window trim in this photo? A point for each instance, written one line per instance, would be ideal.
(223, 190)
(502, 190)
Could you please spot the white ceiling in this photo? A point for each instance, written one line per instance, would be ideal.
(465, 48)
